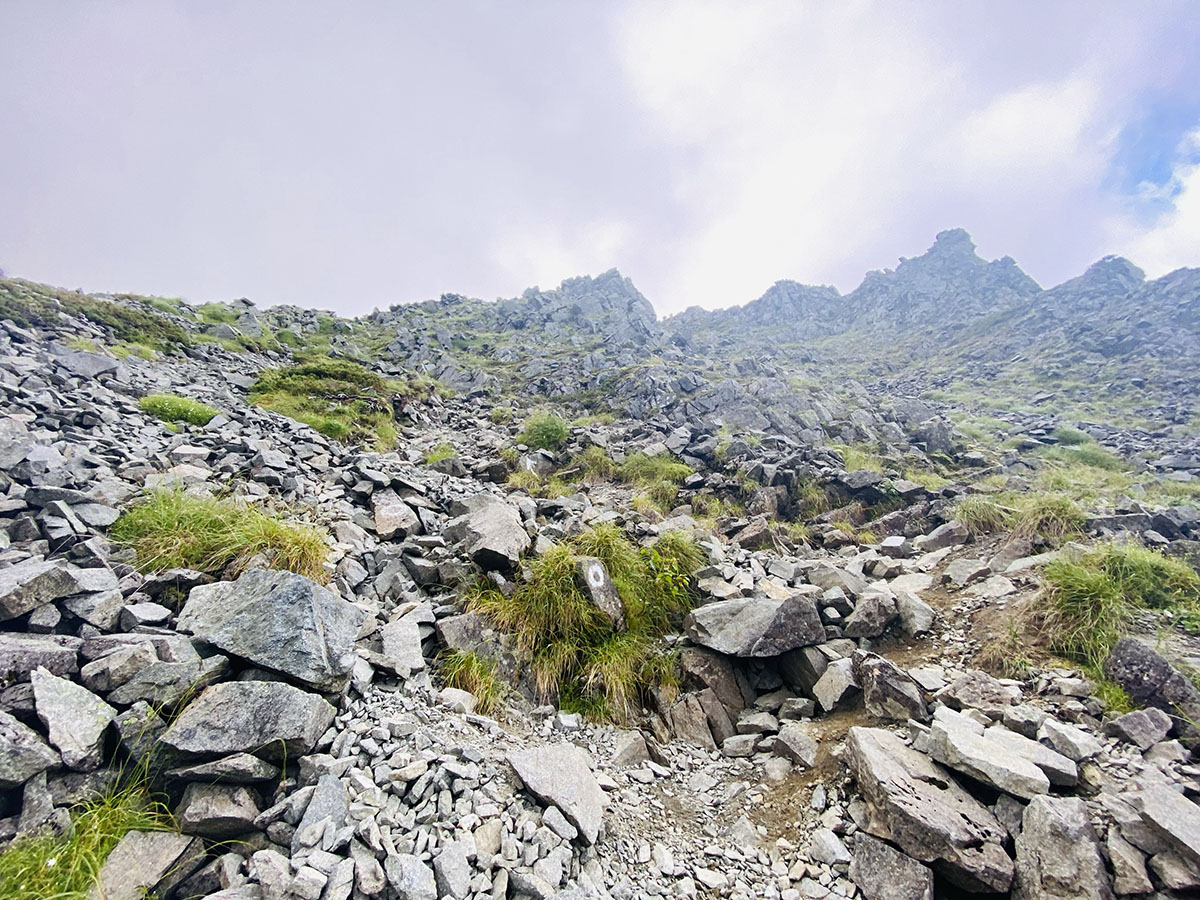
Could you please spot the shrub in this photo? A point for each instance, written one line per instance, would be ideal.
(468, 671)
(440, 452)
(337, 397)
(171, 529)
(543, 431)
(572, 648)
(65, 868)
(173, 408)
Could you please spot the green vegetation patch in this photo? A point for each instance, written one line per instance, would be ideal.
(65, 868)
(442, 451)
(171, 529)
(1095, 597)
(1054, 517)
(658, 476)
(573, 650)
(173, 408)
(544, 431)
(337, 397)
(469, 671)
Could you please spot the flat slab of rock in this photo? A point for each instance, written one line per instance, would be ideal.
(757, 626)
(559, 774)
(961, 744)
(280, 621)
(919, 807)
(147, 863)
(32, 583)
(23, 753)
(75, 719)
(410, 878)
(266, 718)
(1175, 818)
(20, 654)
(884, 873)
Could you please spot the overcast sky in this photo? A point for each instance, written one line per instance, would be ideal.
(351, 155)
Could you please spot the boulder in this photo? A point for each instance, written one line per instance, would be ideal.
(452, 872)
(919, 807)
(410, 878)
(327, 807)
(280, 621)
(32, 583)
(1069, 740)
(23, 753)
(20, 654)
(874, 611)
(978, 690)
(957, 741)
(594, 579)
(1150, 680)
(216, 811)
(75, 718)
(559, 774)
(1143, 727)
(1058, 856)
(268, 718)
(1174, 818)
(948, 535)
(888, 692)
(490, 531)
(402, 651)
(795, 743)
(701, 668)
(147, 863)
(393, 517)
(837, 685)
(884, 873)
(756, 626)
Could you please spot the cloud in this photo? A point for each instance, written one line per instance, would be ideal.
(1171, 239)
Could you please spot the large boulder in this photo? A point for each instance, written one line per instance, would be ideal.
(1150, 680)
(959, 742)
(757, 626)
(1058, 856)
(920, 808)
(560, 775)
(884, 873)
(280, 621)
(268, 718)
(489, 530)
(888, 691)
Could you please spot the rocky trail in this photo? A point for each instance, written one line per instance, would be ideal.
(828, 730)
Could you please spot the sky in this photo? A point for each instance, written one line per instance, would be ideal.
(356, 154)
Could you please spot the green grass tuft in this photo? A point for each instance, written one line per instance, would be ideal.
(544, 431)
(173, 408)
(59, 868)
(171, 529)
(440, 452)
(468, 671)
(658, 476)
(1067, 436)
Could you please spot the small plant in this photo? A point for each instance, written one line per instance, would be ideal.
(440, 452)
(856, 458)
(41, 867)
(544, 431)
(983, 514)
(594, 464)
(171, 529)
(173, 408)
(1052, 516)
(1067, 436)
(501, 415)
(468, 671)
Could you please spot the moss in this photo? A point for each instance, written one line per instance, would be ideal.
(171, 529)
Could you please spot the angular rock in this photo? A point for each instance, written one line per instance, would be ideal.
(168, 683)
(884, 873)
(267, 718)
(959, 743)
(795, 743)
(888, 692)
(978, 690)
(1058, 856)
(1143, 728)
(32, 583)
(916, 616)
(593, 577)
(560, 774)
(1061, 770)
(402, 646)
(756, 626)
(393, 517)
(1174, 818)
(490, 532)
(837, 686)
(20, 654)
(873, 613)
(240, 768)
(1128, 864)
(23, 753)
(689, 722)
(1150, 680)
(452, 872)
(147, 863)
(75, 718)
(921, 809)
(943, 536)
(112, 671)
(280, 621)
(216, 811)
(410, 878)
(1069, 740)
(327, 807)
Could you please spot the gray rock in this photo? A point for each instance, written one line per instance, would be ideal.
(884, 873)
(240, 768)
(978, 690)
(962, 572)
(113, 670)
(23, 753)
(1143, 728)
(327, 808)
(452, 871)
(83, 363)
(837, 685)
(147, 863)
(826, 847)
(888, 692)
(402, 646)
(756, 626)
(1069, 740)
(1174, 818)
(393, 517)
(269, 718)
(961, 744)
(75, 718)
(490, 531)
(920, 808)
(20, 654)
(32, 583)
(1061, 770)
(896, 546)
(1150, 680)
(916, 616)
(168, 683)
(1058, 856)
(280, 621)
(629, 750)
(948, 535)
(689, 722)
(1128, 864)
(216, 811)
(594, 578)
(410, 878)
(560, 774)
(873, 613)
(795, 743)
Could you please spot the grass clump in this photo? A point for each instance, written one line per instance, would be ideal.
(1094, 597)
(855, 459)
(468, 671)
(594, 464)
(501, 415)
(43, 867)
(171, 529)
(658, 476)
(441, 451)
(573, 649)
(173, 408)
(337, 397)
(1053, 517)
(1066, 436)
(983, 514)
(544, 431)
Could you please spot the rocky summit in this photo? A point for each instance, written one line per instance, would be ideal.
(888, 594)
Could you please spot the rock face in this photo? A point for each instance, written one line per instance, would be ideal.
(490, 532)
(280, 621)
(921, 809)
(1058, 856)
(756, 626)
(270, 719)
(560, 775)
